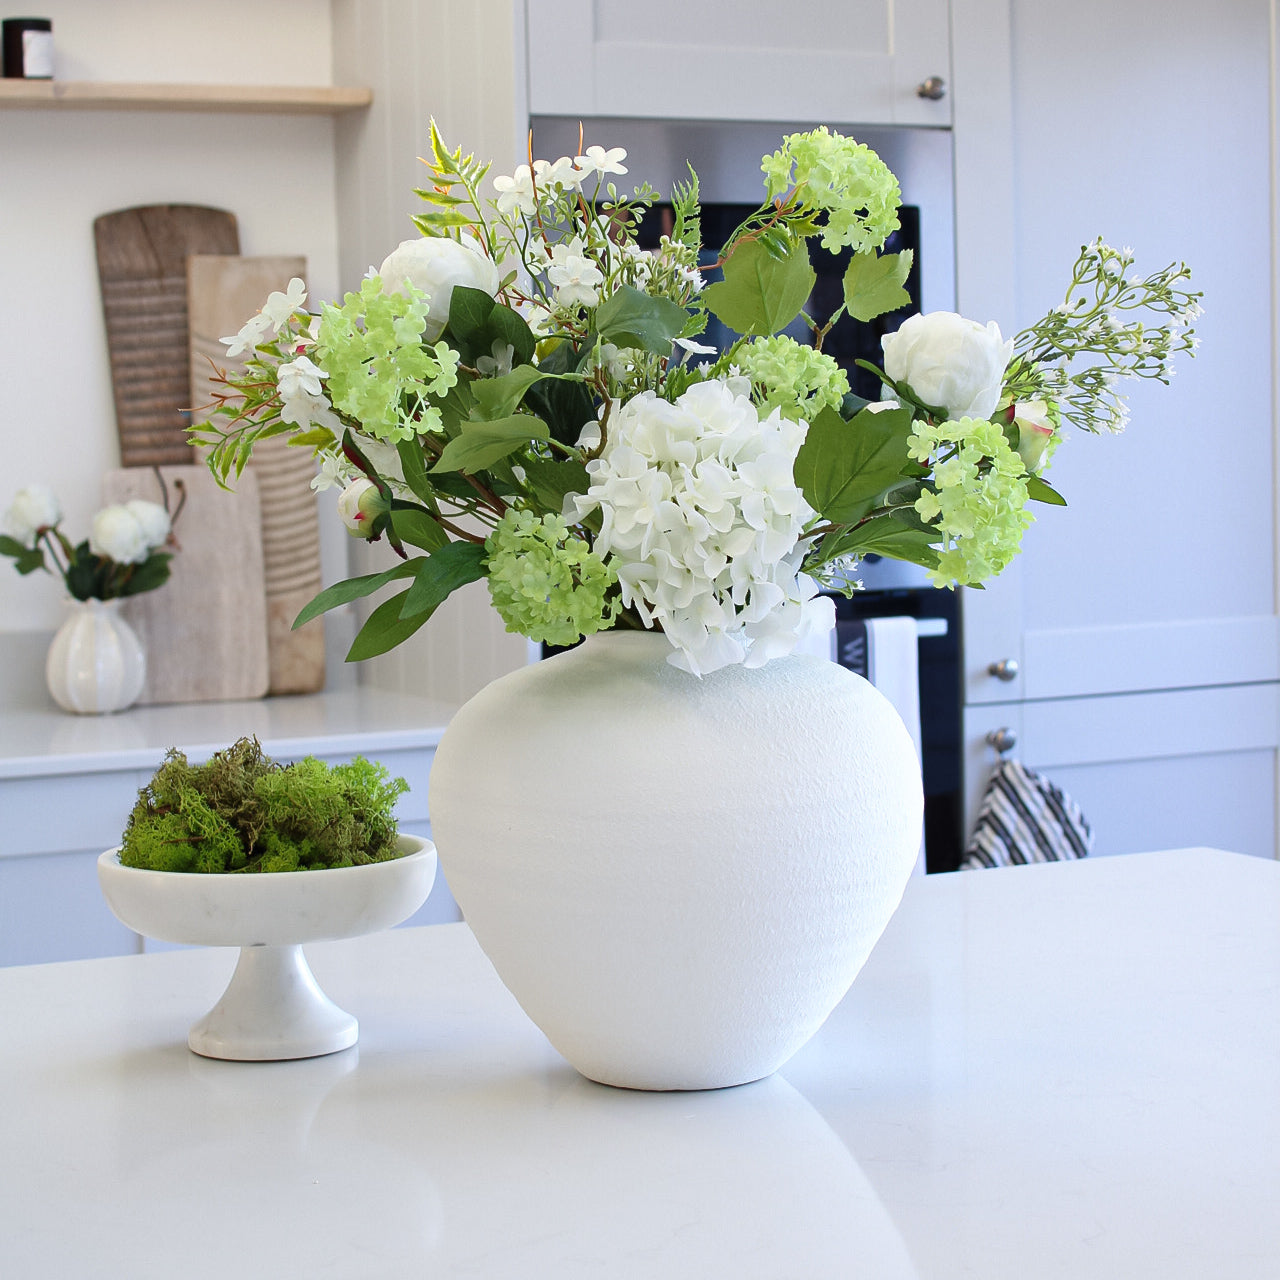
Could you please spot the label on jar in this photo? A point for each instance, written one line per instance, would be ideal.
(37, 55)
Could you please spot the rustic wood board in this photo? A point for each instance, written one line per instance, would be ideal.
(222, 293)
(142, 269)
(205, 630)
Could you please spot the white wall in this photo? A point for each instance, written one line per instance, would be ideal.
(61, 169)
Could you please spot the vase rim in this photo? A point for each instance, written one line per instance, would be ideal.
(618, 639)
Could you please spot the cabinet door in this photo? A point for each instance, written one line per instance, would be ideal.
(1160, 574)
(859, 61)
(1149, 770)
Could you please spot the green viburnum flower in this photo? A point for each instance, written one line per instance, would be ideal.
(546, 583)
(978, 499)
(846, 180)
(791, 377)
(379, 371)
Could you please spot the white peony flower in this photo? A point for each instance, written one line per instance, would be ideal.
(949, 362)
(117, 534)
(435, 265)
(153, 518)
(701, 517)
(32, 509)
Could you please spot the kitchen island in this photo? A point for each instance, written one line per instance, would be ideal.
(1061, 1071)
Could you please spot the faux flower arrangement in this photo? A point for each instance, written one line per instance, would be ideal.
(519, 395)
(128, 549)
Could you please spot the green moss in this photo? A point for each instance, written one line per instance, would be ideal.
(241, 811)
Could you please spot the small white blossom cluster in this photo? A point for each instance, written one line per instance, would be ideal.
(701, 519)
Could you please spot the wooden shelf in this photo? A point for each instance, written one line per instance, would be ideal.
(89, 96)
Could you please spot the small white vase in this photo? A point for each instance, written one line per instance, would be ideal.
(95, 662)
(678, 879)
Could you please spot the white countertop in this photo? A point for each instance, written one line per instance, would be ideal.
(1062, 1072)
(37, 740)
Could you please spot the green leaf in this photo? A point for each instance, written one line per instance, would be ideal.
(632, 318)
(476, 322)
(86, 574)
(761, 294)
(12, 547)
(151, 573)
(432, 223)
(1041, 491)
(564, 404)
(413, 464)
(418, 528)
(316, 438)
(499, 397)
(354, 588)
(842, 467)
(873, 284)
(552, 481)
(898, 535)
(482, 443)
(453, 566)
(384, 629)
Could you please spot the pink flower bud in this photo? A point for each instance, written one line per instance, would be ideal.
(1035, 430)
(360, 504)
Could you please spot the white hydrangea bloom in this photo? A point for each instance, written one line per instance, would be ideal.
(700, 517)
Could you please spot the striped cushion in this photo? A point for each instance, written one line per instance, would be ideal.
(1025, 818)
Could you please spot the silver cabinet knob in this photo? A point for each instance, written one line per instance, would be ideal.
(933, 88)
(1006, 669)
(1002, 739)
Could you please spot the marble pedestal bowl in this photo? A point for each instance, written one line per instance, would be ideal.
(273, 1008)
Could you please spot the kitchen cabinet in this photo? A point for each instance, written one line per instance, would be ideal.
(1146, 609)
(67, 784)
(859, 61)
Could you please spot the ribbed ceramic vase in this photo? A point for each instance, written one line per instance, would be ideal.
(96, 662)
(677, 878)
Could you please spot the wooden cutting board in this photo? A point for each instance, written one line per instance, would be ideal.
(205, 630)
(222, 293)
(142, 268)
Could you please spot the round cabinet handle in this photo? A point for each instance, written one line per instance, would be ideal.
(933, 88)
(1002, 739)
(1006, 669)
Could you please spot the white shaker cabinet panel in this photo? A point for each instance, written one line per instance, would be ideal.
(1161, 572)
(810, 60)
(1192, 766)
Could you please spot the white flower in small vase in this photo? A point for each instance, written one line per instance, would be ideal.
(435, 265)
(117, 534)
(949, 362)
(33, 508)
(154, 520)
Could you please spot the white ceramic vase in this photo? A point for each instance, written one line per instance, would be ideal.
(677, 878)
(96, 662)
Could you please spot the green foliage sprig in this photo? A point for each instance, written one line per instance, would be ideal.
(242, 812)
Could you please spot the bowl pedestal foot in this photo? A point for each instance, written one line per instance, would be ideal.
(273, 1009)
